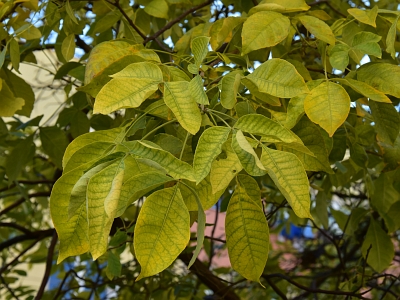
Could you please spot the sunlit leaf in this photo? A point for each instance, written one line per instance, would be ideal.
(318, 28)
(365, 16)
(366, 90)
(197, 92)
(229, 88)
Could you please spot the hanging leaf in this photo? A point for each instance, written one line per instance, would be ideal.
(197, 91)
(208, 148)
(289, 175)
(278, 78)
(14, 53)
(391, 38)
(162, 231)
(68, 47)
(178, 99)
(264, 29)
(247, 235)
(328, 106)
(366, 90)
(339, 56)
(229, 89)
(387, 121)
(199, 48)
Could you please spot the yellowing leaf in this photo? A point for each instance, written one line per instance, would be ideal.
(391, 38)
(282, 6)
(72, 232)
(380, 246)
(175, 167)
(229, 88)
(251, 188)
(367, 42)
(199, 48)
(247, 235)
(278, 78)
(222, 29)
(366, 90)
(318, 28)
(295, 111)
(197, 91)
(223, 170)
(339, 56)
(264, 97)
(157, 8)
(208, 148)
(381, 76)
(9, 104)
(289, 175)
(68, 47)
(260, 125)
(247, 156)
(128, 88)
(178, 99)
(328, 106)
(102, 201)
(162, 231)
(264, 29)
(365, 16)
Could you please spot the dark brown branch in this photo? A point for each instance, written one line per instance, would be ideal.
(31, 236)
(176, 20)
(49, 263)
(8, 288)
(22, 200)
(129, 20)
(255, 2)
(15, 226)
(208, 278)
(275, 288)
(81, 44)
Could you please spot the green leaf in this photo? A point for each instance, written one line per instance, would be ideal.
(128, 88)
(72, 232)
(289, 175)
(365, 16)
(312, 138)
(278, 78)
(70, 12)
(9, 104)
(199, 48)
(381, 252)
(264, 29)
(265, 127)
(328, 106)
(178, 99)
(251, 188)
(387, 121)
(381, 76)
(229, 89)
(157, 8)
(176, 168)
(367, 43)
(318, 28)
(339, 56)
(114, 266)
(162, 231)
(68, 47)
(208, 148)
(224, 169)
(54, 143)
(19, 158)
(282, 6)
(264, 97)
(295, 110)
(3, 56)
(14, 53)
(247, 235)
(197, 91)
(222, 29)
(391, 38)
(103, 193)
(366, 90)
(385, 195)
(247, 156)
(204, 190)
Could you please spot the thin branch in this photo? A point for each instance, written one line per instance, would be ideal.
(275, 288)
(15, 226)
(49, 263)
(22, 200)
(8, 288)
(129, 20)
(81, 44)
(176, 20)
(31, 236)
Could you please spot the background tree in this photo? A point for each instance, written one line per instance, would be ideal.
(275, 112)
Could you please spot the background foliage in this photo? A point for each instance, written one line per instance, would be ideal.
(277, 113)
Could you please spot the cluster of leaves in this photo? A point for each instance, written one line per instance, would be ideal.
(263, 109)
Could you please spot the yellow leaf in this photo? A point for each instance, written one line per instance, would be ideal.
(9, 104)
(264, 29)
(282, 6)
(365, 16)
(289, 175)
(162, 231)
(318, 28)
(328, 106)
(366, 90)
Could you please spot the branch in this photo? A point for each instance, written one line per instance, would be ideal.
(22, 200)
(176, 20)
(49, 263)
(116, 4)
(208, 278)
(81, 44)
(15, 226)
(31, 236)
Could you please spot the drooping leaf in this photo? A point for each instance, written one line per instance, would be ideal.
(178, 99)
(162, 231)
(208, 148)
(229, 88)
(380, 246)
(264, 29)
(289, 175)
(278, 78)
(318, 28)
(19, 157)
(128, 88)
(391, 38)
(199, 48)
(366, 90)
(68, 47)
(197, 92)
(387, 121)
(247, 235)
(328, 106)
(271, 130)
(14, 53)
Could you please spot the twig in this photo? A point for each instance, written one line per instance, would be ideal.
(116, 4)
(176, 20)
(31, 236)
(81, 44)
(22, 200)
(49, 263)
(8, 288)
(276, 289)
(15, 226)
